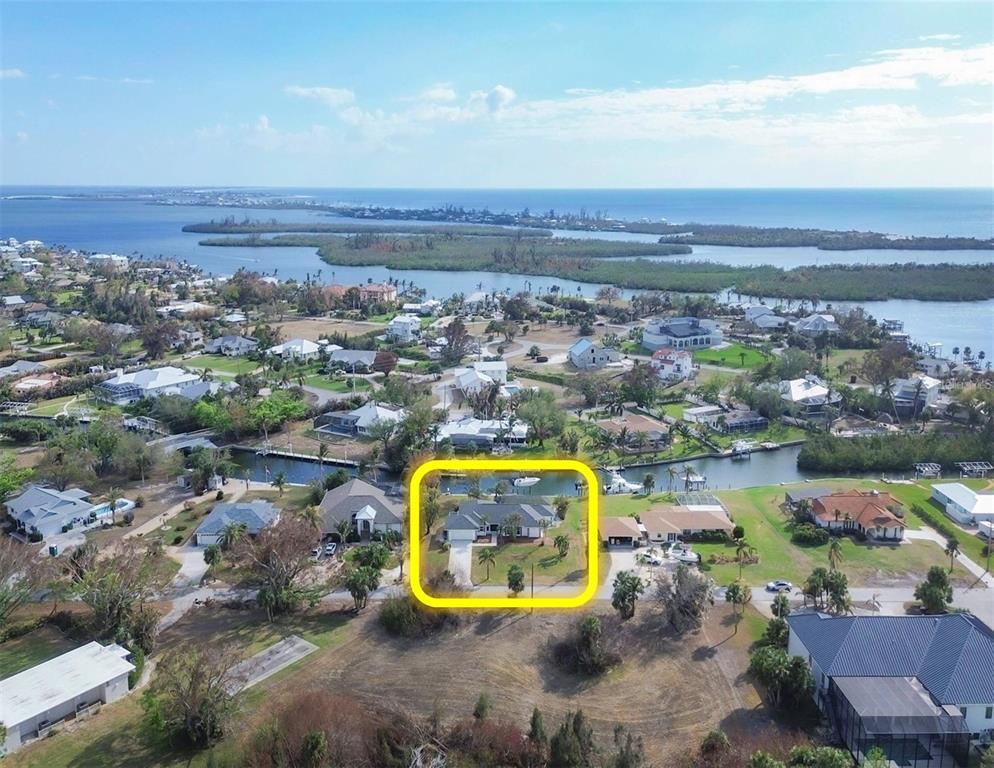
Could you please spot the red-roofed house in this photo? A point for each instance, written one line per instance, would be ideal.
(868, 512)
(673, 364)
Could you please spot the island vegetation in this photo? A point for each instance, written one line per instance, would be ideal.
(594, 261)
(229, 226)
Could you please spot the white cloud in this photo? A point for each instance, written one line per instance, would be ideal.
(497, 98)
(22, 137)
(439, 92)
(11, 74)
(136, 81)
(943, 37)
(330, 97)
(86, 78)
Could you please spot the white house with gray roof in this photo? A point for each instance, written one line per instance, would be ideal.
(479, 518)
(365, 506)
(47, 510)
(586, 355)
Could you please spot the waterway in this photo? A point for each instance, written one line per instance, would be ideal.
(762, 468)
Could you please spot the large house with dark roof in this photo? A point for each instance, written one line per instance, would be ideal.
(477, 519)
(918, 687)
(368, 508)
(254, 515)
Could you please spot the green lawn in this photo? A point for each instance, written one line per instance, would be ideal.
(51, 407)
(337, 385)
(675, 409)
(767, 529)
(777, 432)
(732, 356)
(549, 567)
(222, 364)
(37, 646)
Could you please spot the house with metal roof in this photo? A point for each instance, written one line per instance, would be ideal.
(359, 420)
(962, 504)
(918, 687)
(70, 686)
(365, 506)
(20, 368)
(480, 518)
(125, 388)
(47, 511)
(254, 515)
(353, 360)
(681, 333)
(586, 355)
(231, 345)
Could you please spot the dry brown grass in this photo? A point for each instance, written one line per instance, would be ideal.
(313, 327)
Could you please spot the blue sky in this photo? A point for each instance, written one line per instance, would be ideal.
(497, 95)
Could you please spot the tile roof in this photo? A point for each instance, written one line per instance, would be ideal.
(677, 520)
(618, 527)
(952, 655)
(868, 509)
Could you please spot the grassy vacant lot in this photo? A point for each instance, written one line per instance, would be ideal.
(733, 356)
(768, 530)
(37, 646)
(337, 385)
(776, 432)
(51, 407)
(222, 364)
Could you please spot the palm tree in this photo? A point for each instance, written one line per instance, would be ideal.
(487, 557)
(562, 545)
(343, 528)
(952, 549)
(312, 515)
(232, 534)
(322, 454)
(279, 482)
(743, 549)
(648, 482)
(834, 555)
(672, 473)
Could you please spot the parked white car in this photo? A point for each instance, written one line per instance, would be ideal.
(779, 586)
(330, 548)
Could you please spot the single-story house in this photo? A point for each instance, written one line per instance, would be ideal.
(742, 420)
(20, 368)
(297, 349)
(668, 524)
(681, 333)
(962, 504)
(37, 381)
(619, 531)
(404, 328)
(657, 433)
(816, 325)
(352, 360)
(673, 364)
(479, 518)
(231, 345)
(919, 687)
(254, 515)
(480, 375)
(70, 685)
(707, 415)
(127, 388)
(424, 308)
(868, 512)
(186, 308)
(368, 508)
(359, 420)
(470, 432)
(586, 355)
(763, 317)
(809, 394)
(47, 510)
(795, 496)
(115, 261)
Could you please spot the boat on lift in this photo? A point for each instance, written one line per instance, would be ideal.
(525, 482)
(618, 484)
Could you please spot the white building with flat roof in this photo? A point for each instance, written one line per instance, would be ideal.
(962, 504)
(35, 700)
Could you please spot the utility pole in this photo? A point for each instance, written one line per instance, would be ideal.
(533, 586)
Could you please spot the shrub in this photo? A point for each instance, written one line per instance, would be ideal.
(181, 527)
(139, 501)
(35, 536)
(219, 496)
(177, 540)
(808, 533)
(585, 650)
(138, 659)
(738, 532)
(128, 517)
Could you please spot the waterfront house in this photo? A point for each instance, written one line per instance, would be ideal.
(254, 515)
(70, 686)
(962, 504)
(668, 523)
(706, 415)
(366, 507)
(586, 355)
(125, 388)
(870, 513)
(915, 393)
(920, 688)
(359, 420)
(809, 395)
(681, 333)
(483, 434)
(476, 519)
(619, 531)
(377, 293)
(816, 325)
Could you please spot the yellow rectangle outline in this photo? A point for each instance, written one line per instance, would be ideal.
(502, 465)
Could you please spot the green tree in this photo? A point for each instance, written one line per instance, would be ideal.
(360, 582)
(834, 554)
(543, 415)
(648, 482)
(935, 593)
(562, 545)
(627, 589)
(12, 477)
(483, 706)
(738, 594)
(781, 606)
(536, 729)
(787, 679)
(515, 579)
(572, 746)
(952, 549)
(488, 558)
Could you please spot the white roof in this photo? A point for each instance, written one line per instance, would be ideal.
(473, 426)
(406, 320)
(488, 366)
(973, 502)
(298, 346)
(154, 378)
(470, 377)
(372, 412)
(796, 390)
(35, 691)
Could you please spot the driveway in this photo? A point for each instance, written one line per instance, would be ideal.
(461, 561)
(622, 559)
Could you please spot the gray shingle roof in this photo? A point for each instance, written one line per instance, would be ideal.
(343, 502)
(533, 511)
(256, 515)
(952, 655)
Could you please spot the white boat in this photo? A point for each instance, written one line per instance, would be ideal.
(618, 484)
(525, 482)
(743, 447)
(769, 445)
